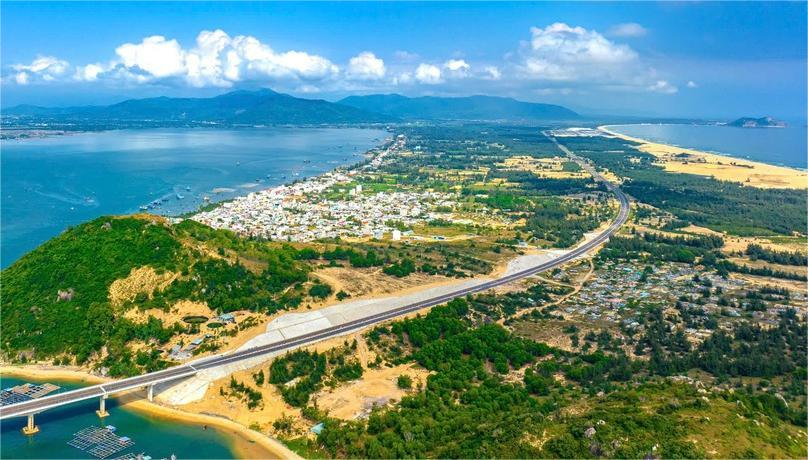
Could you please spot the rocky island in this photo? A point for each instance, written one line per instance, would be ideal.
(764, 122)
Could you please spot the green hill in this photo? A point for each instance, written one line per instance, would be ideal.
(237, 107)
(458, 108)
(56, 299)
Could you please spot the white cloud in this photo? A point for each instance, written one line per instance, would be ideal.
(492, 73)
(90, 72)
(154, 55)
(456, 68)
(428, 74)
(560, 53)
(564, 53)
(217, 59)
(43, 68)
(692, 84)
(628, 29)
(662, 86)
(404, 78)
(365, 66)
(44, 65)
(456, 65)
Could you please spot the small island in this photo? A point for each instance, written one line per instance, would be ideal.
(764, 122)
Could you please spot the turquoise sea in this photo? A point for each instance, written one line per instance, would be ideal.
(48, 184)
(153, 435)
(778, 146)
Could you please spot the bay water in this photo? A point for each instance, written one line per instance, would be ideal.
(50, 183)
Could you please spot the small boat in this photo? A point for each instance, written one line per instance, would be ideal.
(187, 188)
(179, 197)
(144, 208)
(306, 161)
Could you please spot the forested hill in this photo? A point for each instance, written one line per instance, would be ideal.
(238, 107)
(57, 301)
(458, 108)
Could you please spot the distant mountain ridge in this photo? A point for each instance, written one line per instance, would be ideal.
(265, 106)
(248, 107)
(458, 108)
(763, 122)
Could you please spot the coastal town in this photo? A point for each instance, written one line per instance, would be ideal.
(303, 211)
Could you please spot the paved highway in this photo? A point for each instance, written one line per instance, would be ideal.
(187, 370)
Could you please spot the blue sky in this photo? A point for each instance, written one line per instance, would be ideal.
(664, 59)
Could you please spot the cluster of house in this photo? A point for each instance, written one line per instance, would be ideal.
(178, 353)
(608, 296)
(301, 211)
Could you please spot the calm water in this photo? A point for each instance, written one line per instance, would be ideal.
(152, 435)
(779, 146)
(51, 183)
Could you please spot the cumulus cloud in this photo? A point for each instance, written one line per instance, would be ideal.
(217, 59)
(555, 56)
(456, 68)
(154, 55)
(628, 29)
(492, 73)
(564, 53)
(663, 86)
(89, 72)
(428, 74)
(365, 66)
(692, 84)
(45, 68)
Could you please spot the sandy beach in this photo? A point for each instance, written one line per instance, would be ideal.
(246, 442)
(721, 167)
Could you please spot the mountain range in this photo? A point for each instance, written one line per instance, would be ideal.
(265, 106)
(458, 108)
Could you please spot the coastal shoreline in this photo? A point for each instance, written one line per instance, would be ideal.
(245, 443)
(720, 166)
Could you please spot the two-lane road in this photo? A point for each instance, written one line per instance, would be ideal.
(59, 399)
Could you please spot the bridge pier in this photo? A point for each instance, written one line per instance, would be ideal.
(102, 410)
(30, 428)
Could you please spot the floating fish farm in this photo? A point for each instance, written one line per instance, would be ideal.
(100, 442)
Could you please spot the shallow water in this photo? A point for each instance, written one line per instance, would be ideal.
(51, 183)
(777, 146)
(153, 435)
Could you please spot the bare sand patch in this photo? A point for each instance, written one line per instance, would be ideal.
(140, 280)
(174, 314)
(373, 282)
(721, 167)
(377, 387)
